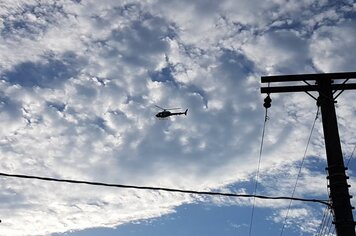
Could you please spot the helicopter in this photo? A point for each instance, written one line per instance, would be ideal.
(166, 112)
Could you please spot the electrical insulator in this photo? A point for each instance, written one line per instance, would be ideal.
(267, 102)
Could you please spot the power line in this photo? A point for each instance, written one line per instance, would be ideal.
(300, 170)
(327, 220)
(324, 230)
(267, 105)
(326, 217)
(325, 86)
(224, 194)
(322, 222)
(325, 223)
(352, 153)
(328, 226)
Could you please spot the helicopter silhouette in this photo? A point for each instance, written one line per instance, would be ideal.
(166, 112)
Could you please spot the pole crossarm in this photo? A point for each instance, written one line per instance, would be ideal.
(301, 77)
(305, 88)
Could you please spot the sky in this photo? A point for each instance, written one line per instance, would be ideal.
(79, 81)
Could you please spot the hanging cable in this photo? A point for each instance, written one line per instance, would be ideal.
(327, 214)
(266, 104)
(300, 170)
(352, 153)
(325, 223)
(331, 212)
(322, 222)
(328, 225)
(324, 202)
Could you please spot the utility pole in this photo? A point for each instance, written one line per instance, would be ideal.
(328, 93)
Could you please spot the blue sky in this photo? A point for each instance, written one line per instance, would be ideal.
(79, 81)
(200, 219)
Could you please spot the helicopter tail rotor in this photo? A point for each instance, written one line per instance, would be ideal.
(186, 111)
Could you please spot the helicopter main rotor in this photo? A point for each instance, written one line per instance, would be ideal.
(169, 109)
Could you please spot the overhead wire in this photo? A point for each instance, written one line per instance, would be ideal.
(326, 226)
(331, 212)
(329, 223)
(254, 196)
(267, 104)
(347, 161)
(322, 222)
(327, 215)
(352, 153)
(326, 223)
(300, 170)
(330, 227)
(323, 225)
(224, 194)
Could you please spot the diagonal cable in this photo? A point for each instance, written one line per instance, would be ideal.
(300, 170)
(352, 153)
(258, 171)
(322, 223)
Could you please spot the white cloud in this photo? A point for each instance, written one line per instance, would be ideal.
(332, 45)
(79, 81)
(299, 216)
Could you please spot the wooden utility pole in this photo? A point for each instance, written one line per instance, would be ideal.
(328, 92)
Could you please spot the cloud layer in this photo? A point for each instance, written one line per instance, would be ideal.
(79, 81)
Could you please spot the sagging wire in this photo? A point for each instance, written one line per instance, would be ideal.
(224, 194)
